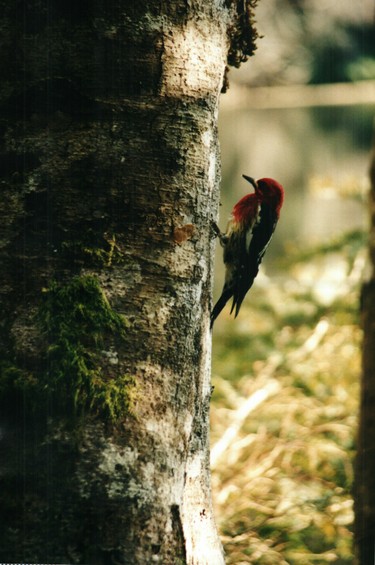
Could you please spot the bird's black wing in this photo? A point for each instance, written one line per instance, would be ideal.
(245, 259)
(234, 257)
(261, 236)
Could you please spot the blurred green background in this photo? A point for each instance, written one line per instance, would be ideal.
(286, 371)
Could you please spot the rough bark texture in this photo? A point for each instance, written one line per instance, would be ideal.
(109, 166)
(364, 491)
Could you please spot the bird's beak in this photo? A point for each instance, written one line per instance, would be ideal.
(251, 181)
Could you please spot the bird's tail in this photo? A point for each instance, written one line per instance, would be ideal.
(241, 290)
(236, 305)
(225, 296)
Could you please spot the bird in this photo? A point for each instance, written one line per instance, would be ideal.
(249, 231)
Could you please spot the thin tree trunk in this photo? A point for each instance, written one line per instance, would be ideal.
(364, 491)
(110, 178)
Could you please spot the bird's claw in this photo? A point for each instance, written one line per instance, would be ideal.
(215, 228)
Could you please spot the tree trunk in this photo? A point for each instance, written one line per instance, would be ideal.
(364, 491)
(110, 178)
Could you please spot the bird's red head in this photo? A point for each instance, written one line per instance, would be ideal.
(271, 192)
(268, 191)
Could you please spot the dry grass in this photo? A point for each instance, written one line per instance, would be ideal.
(284, 411)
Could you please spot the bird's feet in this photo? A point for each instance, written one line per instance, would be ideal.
(217, 233)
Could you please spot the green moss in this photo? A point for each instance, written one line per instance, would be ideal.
(79, 332)
(13, 380)
(77, 322)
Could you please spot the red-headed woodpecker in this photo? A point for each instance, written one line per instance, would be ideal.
(246, 239)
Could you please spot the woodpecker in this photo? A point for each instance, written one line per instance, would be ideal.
(249, 231)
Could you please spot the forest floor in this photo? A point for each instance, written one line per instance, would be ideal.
(284, 411)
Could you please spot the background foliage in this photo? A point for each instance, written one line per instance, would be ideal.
(286, 371)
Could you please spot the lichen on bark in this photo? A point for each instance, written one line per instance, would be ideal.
(242, 34)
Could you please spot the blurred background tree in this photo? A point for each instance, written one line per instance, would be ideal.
(364, 490)
(312, 42)
(286, 371)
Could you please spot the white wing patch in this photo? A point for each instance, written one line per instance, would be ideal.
(249, 233)
(261, 254)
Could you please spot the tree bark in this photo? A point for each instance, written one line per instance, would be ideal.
(110, 174)
(364, 490)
